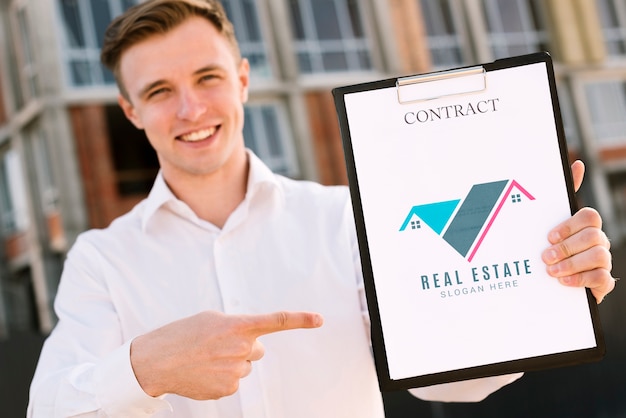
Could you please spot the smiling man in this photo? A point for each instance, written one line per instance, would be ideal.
(186, 89)
(163, 312)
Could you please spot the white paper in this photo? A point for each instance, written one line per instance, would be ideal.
(418, 162)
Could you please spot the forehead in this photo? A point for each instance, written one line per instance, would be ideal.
(193, 44)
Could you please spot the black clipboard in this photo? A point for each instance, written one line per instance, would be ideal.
(455, 179)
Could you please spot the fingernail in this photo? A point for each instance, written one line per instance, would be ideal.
(553, 269)
(555, 236)
(551, 255)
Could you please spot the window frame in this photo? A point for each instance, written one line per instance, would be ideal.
(247, 47)
(14, 212)
(290, 166)
(315, 46)
(614, 34)
(459, 40)
(25, 69)
(501, 42)
(606, 196)
(580, 83)
(90, 53)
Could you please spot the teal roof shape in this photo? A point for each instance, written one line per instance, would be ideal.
(435, 215)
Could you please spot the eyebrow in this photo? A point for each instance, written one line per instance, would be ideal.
(144, 91)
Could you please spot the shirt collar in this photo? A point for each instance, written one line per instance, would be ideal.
(260, 178)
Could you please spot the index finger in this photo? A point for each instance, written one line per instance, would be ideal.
(585, 218)
(283, 321)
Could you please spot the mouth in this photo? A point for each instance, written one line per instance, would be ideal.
(198, 136)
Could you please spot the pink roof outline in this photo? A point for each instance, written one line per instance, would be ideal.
(495, 214)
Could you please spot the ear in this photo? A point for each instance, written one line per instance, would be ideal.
(244, 79)
(129, 111)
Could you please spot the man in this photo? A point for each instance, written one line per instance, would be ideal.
(161, 313)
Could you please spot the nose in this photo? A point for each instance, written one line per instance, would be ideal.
(190, 106)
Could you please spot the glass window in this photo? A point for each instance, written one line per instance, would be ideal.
(84, 23)
(607, 107)
(72, 24)
(329, 36)
(444, 39)
(515, 27)
(613, 18)
(13, 202)
(265, 133)
(245, 18)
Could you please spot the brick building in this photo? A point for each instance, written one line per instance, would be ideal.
(70, 161)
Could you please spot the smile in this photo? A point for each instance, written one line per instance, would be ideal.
(198, 135)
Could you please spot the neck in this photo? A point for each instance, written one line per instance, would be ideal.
(213, 196)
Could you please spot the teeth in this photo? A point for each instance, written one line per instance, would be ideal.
(198, 135)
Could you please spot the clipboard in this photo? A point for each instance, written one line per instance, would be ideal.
(456, 177)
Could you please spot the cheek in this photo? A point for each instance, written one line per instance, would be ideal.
(156, 122)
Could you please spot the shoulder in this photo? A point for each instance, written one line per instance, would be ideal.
(305, 189)
(320, 204)
(120, 230)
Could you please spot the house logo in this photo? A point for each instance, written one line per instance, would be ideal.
(466, 228)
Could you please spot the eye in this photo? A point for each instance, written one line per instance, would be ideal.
(209, 77)
(157, 92)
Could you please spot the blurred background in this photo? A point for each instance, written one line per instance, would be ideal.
(70, 161)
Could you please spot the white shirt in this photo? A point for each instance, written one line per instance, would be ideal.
(290, 245)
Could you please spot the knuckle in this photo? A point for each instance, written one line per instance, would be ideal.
(242, 349)
(577, 279)
(228, 385)
(567, 268)
(591, 216)
(608, 259)
(232, 387)
(246, 369)
(599, 278)
(592, 235)
(257, 351)
(281, 319)
(565, 249)
(239, 327)
(603, 258)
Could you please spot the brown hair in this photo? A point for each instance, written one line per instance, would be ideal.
(158, 17)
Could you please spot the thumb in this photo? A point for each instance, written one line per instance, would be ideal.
(283, 321)
(578, 172)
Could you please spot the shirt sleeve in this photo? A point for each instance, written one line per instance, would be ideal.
(84, 367)
(474, 390)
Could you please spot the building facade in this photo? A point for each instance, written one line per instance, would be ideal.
(70, 161)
